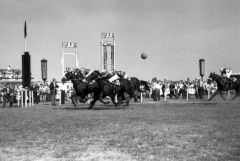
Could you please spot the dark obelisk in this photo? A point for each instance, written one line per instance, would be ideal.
(26, 62)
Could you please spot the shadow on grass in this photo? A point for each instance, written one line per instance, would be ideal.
(97, 107)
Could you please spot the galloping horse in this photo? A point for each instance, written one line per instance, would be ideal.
(109, 89)
(103, 89)
(138, 86)
(224, 84)
(81, 88)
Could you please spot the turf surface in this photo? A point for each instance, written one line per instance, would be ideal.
(154, 131)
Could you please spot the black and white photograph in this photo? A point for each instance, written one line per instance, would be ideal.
(119, 80)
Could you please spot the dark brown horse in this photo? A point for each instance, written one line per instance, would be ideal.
(110, 89)
(83, 89)
(224, 84)
(138, 86)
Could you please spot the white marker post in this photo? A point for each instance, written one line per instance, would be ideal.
(60, 98)
(25, 98)
(141, 97)
(21, 98)
(32, 99)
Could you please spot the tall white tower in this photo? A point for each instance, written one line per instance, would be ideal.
(69, 48)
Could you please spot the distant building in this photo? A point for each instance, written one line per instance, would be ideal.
(9, 75)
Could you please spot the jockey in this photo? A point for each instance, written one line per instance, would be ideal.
(117, 75)
(114, 75)
(226, 72)
(85, 72)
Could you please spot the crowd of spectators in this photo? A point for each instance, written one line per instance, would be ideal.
(176, 89)
(44, 92)
(11, 93)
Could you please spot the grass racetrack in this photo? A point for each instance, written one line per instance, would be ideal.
(177, 130)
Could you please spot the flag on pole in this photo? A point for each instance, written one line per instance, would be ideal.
(25, 29)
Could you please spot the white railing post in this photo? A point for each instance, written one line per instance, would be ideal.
(25, 98)
(21, 98)
(18, 98)
(32, 98)
(187, 93)
(60, 98)
(141, 97)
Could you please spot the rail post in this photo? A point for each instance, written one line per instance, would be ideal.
(21, 98)
(60, 98)
(32, 99)
(25, 98)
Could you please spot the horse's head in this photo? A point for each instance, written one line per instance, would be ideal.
(69, 76)
(212, 77)
(78, 73)
(144, 86)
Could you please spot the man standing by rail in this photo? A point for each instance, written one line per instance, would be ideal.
(53, 91)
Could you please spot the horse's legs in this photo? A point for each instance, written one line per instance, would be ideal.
(113, 101)
(237, 94)
(213, 95)
(95, 98)
(101, 99)
(221, 95)
(131, 95)
(73, 98)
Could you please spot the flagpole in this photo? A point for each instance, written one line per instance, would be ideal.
(25, 45)
(25, 36)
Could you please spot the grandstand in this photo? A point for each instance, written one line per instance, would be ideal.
(11, 76)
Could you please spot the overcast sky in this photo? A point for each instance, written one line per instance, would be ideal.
(174, 33)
